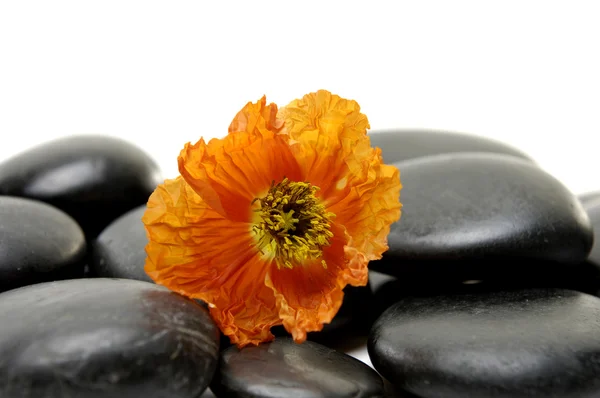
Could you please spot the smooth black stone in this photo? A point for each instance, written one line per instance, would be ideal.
(404, 144)
(584, 278)
(476, 216)
(283, 368)
(377, 279)
(591, 203)
(208, 394)
(593, 210)
(119, 251)
(37, 243)
(351, 315)
(528, 343)
(389, 293)
(104, 338)
(393, 290)
(95, 179)
(590, 199)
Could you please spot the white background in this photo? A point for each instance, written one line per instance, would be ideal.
(160, 74)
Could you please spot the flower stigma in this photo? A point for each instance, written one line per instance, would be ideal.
(293, 225)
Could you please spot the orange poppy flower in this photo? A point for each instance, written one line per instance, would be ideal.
(270, 223)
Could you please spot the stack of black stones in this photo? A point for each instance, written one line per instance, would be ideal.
(489, 288)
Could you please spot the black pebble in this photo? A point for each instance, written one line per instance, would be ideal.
(528, 343)
(590, 198)
(592, 205)
(283, 368)
(400, 145)
(95, 179)
(104, 338)
(593, 210)
(475, 216)
(37, 243)
(119, 251)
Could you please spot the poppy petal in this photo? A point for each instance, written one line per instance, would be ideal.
(247, 311)
(368, 209)
(335, 152)
(309, 295)
(230, 173)
(196, 252)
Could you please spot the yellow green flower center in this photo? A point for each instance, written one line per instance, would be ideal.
(293, 225)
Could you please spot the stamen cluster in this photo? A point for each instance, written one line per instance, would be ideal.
(293, 224)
